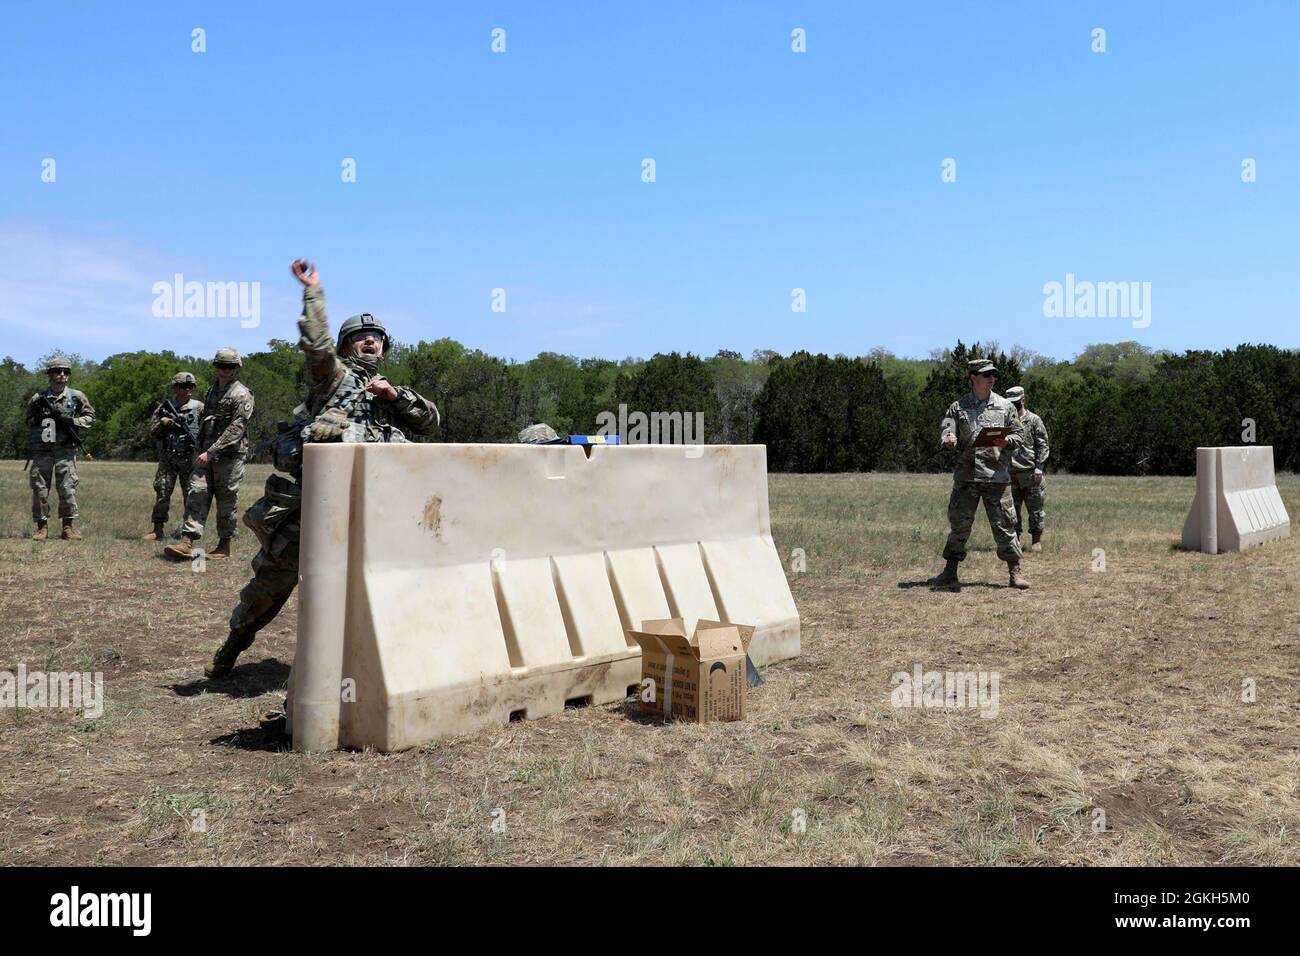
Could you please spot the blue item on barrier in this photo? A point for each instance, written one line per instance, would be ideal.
(583, 440)
(595, 440)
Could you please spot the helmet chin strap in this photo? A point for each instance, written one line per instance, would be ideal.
(367, 363)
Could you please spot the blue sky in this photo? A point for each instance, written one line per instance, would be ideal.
(774, 171)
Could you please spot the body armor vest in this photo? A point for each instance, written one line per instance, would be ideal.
(340, 411)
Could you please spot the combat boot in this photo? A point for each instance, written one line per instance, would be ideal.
(223, 661)
(69, 532)
(157, 534)
(1036, 547)
(222, 550)
(1017, 577)
(183, 551)
(947, 579)
(42, 532)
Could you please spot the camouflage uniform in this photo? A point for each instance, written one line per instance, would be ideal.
(223, 434)
(1025, 490)
(54, 454)
(175, 457)
(337, 408)
(981, 475)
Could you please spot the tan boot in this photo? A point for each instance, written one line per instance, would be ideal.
(1017, 578)
(223, 661)
(222, 550)
(69, 532)
(157, 534)
(42, 532)
(946, 580)
(1036, 547)
(182, 550)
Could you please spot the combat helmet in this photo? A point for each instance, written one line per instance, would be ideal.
(58, 362)
(183, 378)
(227, 356)
(537, 434)
(364, 322)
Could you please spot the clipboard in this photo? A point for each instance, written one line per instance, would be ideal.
(987, 436)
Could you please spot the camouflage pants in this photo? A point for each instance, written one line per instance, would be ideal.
(962, 505)
(275, 519)
(164, 482)
(60, 469)
(1032, 496)
(220, 480)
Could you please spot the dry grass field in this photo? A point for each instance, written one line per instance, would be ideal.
(1120, 691)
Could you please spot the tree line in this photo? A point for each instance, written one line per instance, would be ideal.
(1114, 409)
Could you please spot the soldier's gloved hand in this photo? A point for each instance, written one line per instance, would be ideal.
(330, 425)
(1038, 476)
(168, 421)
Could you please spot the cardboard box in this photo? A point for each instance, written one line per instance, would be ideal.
(696, 679)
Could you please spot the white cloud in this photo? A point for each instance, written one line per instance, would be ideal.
(92, 292)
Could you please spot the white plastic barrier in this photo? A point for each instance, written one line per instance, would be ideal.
(1237, 504)
(449, 587)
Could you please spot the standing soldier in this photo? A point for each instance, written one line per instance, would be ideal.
(981, 474)
(347, 400)
(55, 416)
(223, 438)
(176, 429)
(1027, 486)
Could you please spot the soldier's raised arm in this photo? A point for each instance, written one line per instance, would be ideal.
(314, 326)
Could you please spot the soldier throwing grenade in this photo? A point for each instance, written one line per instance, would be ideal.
(347, 400)
(176, 429)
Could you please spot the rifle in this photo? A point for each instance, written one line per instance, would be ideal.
(182, 432)
(60, 421)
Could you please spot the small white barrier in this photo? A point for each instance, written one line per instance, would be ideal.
(1237, 505)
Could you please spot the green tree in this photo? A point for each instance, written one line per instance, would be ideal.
(737, 385)
(669, 383)
(818, 414)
